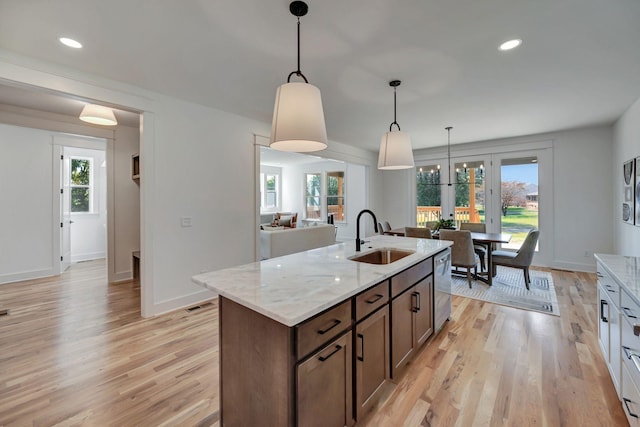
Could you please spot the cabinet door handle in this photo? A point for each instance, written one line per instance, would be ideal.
(324, 358)
(375, 299)
(599, 274)
(416, 307)
(361, 357)
(626, 404)
(610, 289)
(336, 322)
(633, 356)
(628, 312)
(602, 304)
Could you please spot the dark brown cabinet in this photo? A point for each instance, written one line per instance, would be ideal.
(303, 375)
(324, 387)
(371, 360)
(411, 323)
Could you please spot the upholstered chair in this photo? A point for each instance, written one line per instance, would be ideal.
(521, 259)
(481, 250)
(422, 233)
(462, 253)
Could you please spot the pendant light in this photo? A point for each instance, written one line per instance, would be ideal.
(98, 115)
(298, 117)
(395, 147)
(448, 128)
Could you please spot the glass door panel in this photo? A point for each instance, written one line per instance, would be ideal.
(428, 195)
(470, 191)
(519, 210)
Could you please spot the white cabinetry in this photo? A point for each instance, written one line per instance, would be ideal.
(609, 324)
(630, 314)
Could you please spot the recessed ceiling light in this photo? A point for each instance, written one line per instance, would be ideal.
(510, 44)
(70, 42)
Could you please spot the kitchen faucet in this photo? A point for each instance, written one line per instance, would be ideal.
(375, 226)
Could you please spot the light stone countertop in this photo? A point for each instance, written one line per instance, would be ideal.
(293, 288)
(626, 271)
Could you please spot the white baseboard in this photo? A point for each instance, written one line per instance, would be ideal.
(124, 276)
(88, 256)
(27, 275)
(181, 302)
(589, 267)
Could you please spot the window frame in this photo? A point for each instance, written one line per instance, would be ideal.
(90, 186)
(265, 172)
(324, 195)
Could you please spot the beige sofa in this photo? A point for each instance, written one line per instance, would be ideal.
(274, 243)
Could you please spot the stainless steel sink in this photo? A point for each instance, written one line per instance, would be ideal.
(382, 256)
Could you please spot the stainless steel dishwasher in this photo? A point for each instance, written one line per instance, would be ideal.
(442, 287)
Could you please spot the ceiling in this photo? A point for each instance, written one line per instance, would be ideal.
(578, 65)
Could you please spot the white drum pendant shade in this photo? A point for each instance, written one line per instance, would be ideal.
(395, 151)
(298, 119)
(98, 115)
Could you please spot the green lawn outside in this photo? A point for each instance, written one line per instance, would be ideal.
(518, 222)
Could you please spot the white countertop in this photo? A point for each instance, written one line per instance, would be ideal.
(626, 270)
(293, 288)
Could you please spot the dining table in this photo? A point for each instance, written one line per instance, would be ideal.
(488, 240)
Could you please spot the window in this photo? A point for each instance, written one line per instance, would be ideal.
(325, 196)
(270, 190)
(313, 192)
(81, 184)
(335, 195)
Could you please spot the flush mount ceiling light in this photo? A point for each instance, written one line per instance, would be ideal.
(395, 147)
(70, 42)
(510, 44)
(298, 117)
(98, 115)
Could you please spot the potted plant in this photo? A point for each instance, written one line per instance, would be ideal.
(447, 224)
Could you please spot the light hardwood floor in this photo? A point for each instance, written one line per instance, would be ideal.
(75, 351)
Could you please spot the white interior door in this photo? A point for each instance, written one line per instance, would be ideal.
(65, 212)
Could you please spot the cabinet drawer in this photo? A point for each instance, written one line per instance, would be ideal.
(317, 331)
(410, 277)
(630, 398)
(610, 285)
(372, 299)
(631, 352)
(629, 309)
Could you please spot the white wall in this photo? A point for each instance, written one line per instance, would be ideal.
(89, 230)
(124, 224)
(26, 171)
(582, 205)
(626, 146)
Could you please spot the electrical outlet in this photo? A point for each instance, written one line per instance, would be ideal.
(185, 221)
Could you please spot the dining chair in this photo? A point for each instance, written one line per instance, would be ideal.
(420, 232)
(380, 229)
(521, 259)
(387, 226)
(481, 250)
(462, 253)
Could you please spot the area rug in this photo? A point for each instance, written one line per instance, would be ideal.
(509, 289)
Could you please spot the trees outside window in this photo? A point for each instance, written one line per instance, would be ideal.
(313, 195)
(81, 185)
(335, 195)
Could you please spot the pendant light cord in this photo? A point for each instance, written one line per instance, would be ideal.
(448, 128)
(298, 72)
(395, 122)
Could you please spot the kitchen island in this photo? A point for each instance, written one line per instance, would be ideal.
(311, 338)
